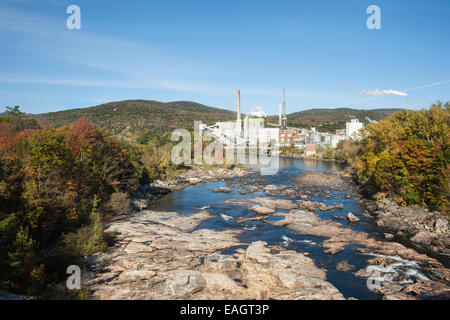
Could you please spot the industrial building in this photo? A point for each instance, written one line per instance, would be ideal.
(249, 131)
(287, 137)
(353, 128)
(322, 139)
(252, 130)
(310, 149)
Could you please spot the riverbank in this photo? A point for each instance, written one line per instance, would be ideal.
(425, 229)
(389, 256)
(148, 194)
(294, 156)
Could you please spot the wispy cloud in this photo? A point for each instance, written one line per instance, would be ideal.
(428, 85)
(129, 64)
(104, 83)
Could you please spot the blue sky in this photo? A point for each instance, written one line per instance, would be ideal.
(205, 50)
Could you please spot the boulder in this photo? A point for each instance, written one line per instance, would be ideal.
(181, 283)
(222, 190)
(262, 210)
(441, 225)
(423, 237)
(352, 218)
(274, 204)
(270, 188)
(367, 214)
(308, 205)
(344, 266)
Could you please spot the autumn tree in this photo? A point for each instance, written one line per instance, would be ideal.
(407, 156)
(53, 185)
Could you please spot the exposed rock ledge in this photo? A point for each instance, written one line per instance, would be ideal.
(426, 229)
(159, 256)
(422, 227)
(198, 175)
(308, 223)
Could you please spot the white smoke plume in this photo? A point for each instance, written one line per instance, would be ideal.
(376, 92)
(257, 112)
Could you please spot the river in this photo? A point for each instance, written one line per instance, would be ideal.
(194, 198)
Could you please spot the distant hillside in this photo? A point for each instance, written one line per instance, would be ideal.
(332, 119)
(138, 115)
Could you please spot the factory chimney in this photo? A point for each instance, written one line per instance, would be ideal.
(284, 120)
(239, 122)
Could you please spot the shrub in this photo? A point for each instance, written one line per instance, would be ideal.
(119, 203)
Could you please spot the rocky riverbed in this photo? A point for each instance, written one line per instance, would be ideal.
(159, 256)
(290, 236)
(424, 228)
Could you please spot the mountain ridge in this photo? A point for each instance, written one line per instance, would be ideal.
(138, 115)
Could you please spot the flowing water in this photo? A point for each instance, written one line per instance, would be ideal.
(195, 198)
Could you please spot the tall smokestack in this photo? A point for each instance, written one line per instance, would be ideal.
(239, 106)
(284, 120)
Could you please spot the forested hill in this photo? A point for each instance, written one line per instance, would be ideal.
(141, 115)
(332, 119)
(144, 115)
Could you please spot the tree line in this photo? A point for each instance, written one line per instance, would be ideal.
(57, 186)
(405, 157)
